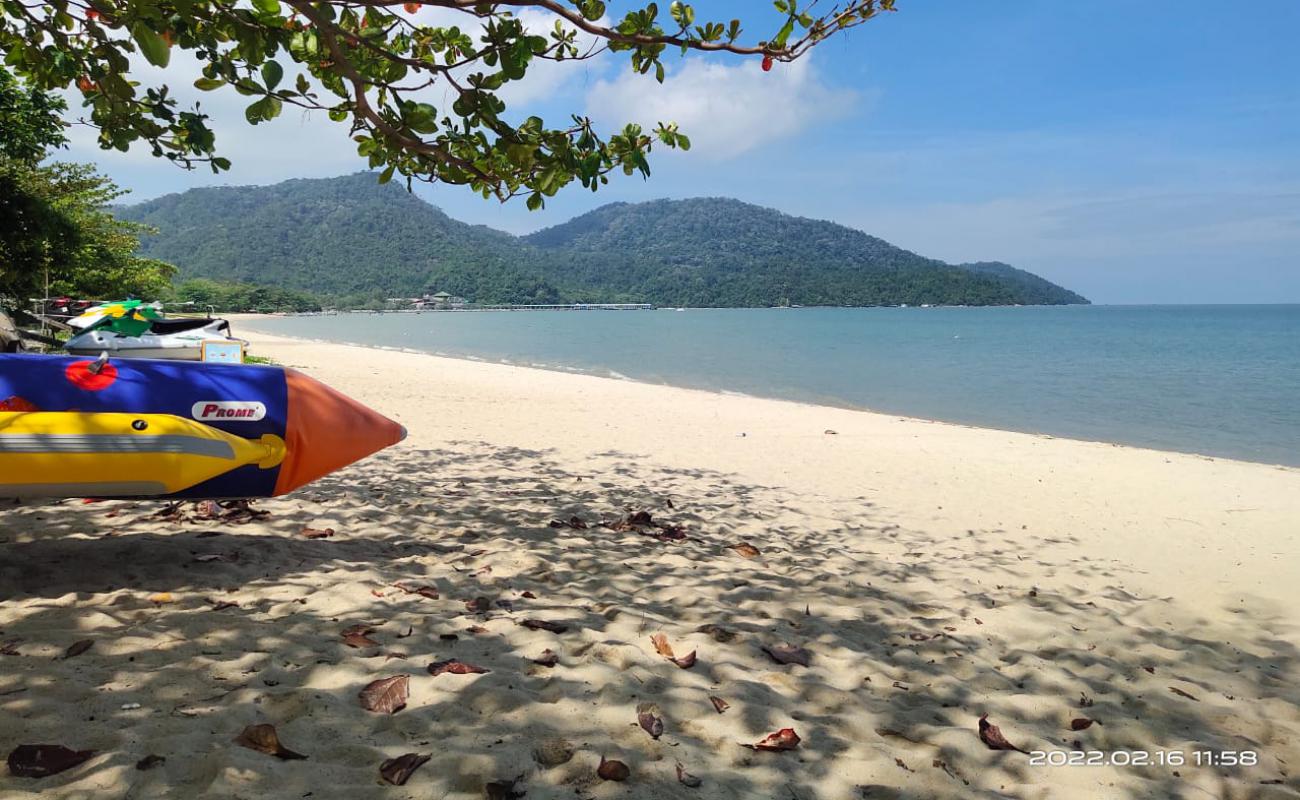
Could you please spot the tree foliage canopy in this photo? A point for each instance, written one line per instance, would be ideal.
(371, 62)
(55, 226)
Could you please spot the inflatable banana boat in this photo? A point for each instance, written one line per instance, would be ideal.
(139, 428)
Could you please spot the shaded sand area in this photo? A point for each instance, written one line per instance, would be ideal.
(930, 573)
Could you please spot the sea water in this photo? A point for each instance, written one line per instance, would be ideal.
(1213, 380)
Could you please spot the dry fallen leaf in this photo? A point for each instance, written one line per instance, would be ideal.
(992, 736)
(572, 522)
(612, 770)
(544, 625)
(357, 639)
(685, 662)
(423, 590)
(529, 595)
(548, 658)
(40, 760)
(788, 654)
(747, 550)
(478, 605)
(317, 533)
(221, 605)
(398, 770)
(386, 695)
(1181, 693)
(687, 779)
(649, 720)
(660, 641)
(263, 739)
(77, 648)
(719, 704)
(456, 668)
(1081, 724)
(9, 647)
(784, 739)
(161, 597)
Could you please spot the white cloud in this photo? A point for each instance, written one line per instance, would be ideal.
(725, 108)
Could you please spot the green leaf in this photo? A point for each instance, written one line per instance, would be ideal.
(683, 142)
(152, 45)
(220, 163)
(272, 72)
(784, 34)
(268, 108)
(208, 84)
(267, 6)
(387, 175)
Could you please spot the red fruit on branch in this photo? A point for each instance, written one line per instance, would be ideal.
(86, 84)
(767, 63)
(92, 14)
(411, 8)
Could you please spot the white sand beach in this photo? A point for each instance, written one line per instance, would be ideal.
(932, 572)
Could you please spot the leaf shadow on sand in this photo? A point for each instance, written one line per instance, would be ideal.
(913, 635)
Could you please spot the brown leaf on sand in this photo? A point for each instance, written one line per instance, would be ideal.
(423, 590)
(478, 605)
(576, 523)
(548, 658)
(991, 736)
(784, 739)
(358, 639)
(685, 662)
(788, 654)
(687, 779)
(456, 668)
(317, 533)
(397, 771)
(719, 705)
(747, 550)
(222, 605)
(544, 625)
(663, 648)
(263, 739)
(649, 720)
(1181, 693)
(612, 770)
(504, 790)
(40, 760)
(77, 648)
(9, 647)
(1081, 724)
(660, 641)
(361, 628)
(528, 595)
(386, 695)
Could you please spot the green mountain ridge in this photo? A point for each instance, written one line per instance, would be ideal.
(354, 241)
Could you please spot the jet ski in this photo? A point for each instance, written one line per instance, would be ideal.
(176, 339)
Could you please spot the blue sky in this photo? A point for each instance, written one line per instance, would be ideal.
(1142, 152)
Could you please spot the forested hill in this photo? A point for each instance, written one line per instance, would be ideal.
(697, 251)
(354, 241)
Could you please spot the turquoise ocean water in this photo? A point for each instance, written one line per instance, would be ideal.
(1215, 380)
